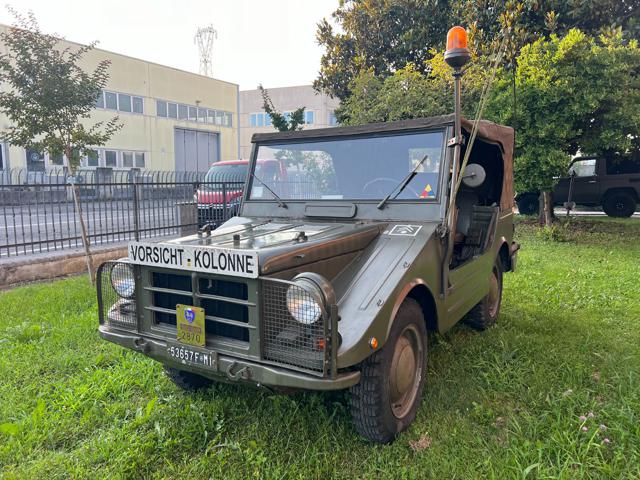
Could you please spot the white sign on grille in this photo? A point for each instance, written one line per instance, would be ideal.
(220, 261)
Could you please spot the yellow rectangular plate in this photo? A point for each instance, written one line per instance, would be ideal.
(190, 325)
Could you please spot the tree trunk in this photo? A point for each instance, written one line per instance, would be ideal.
(546, 214)
(85, 237)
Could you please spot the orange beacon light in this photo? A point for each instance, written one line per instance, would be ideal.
(457, 54)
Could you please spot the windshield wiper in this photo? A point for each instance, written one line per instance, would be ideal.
(275, 195)
(405, 181)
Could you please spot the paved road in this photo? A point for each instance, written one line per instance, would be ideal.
(55, 226)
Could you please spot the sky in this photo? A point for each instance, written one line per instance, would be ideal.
(259, 41)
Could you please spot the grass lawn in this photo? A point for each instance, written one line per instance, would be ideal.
(552, 391)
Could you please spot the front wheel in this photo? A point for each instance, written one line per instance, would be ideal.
(385, 401)
(485, 313)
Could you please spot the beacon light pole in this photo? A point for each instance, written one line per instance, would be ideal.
(457, 56)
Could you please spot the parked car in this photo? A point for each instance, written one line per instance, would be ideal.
(220, 194)
(611, 183)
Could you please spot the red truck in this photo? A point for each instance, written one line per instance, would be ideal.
(220, 194)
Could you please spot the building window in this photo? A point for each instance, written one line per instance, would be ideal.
(100, 100)
(127, 159)
(161, 108)
(172, 110)
(287, 116)
(138, 105)
(309, 117)
(110, 158)
(57, 160)
(92, 159)
(110, 101)
(253, 120)
(139, 157)
(124, 102)
(333, 121)
(193, 114)
(183, 112)
(267, 120)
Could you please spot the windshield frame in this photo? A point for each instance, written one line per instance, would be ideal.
(443, 164)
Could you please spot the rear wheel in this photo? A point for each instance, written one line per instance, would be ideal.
(385, 401)
(187, 380)
(485, 313)
(619, 204)
(528, 204)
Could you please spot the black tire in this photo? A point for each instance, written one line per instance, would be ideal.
(486, 312)
(619, 204)
(375, 414)
(528, 204)
(187, 380)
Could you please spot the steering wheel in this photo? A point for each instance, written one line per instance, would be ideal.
(386, 192)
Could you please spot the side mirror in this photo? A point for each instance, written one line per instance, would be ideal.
(474, 175)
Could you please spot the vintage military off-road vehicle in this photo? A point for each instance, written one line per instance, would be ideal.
(332, 275)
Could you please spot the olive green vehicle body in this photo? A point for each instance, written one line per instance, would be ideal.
(371, 268)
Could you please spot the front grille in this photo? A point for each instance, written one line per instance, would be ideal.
(224, 302)
(114, 311)
(285, 340)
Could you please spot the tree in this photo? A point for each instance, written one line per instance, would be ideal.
(381, 36)
(384, 36)
(283, 123)
(575, 93)
(409, 93)
(280, 122)
(49, 99)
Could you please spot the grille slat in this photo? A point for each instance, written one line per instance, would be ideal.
(225, 303)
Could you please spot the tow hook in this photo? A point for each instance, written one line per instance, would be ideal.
(141, 344)
(243, 373)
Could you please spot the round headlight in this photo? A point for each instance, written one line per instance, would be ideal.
(122, 280)
(303, 305)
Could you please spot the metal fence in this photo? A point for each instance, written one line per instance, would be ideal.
(38, 214)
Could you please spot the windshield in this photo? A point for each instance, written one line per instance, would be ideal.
(353, 168)
(233, 175)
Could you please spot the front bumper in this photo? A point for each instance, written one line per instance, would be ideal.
(231, 369)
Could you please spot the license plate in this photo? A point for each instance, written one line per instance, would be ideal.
(192, 356)
(190, 325)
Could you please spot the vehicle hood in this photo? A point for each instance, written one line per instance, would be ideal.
(287, 246)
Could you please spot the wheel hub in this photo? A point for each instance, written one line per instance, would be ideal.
(406, 371)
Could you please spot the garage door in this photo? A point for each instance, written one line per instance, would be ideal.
(195, 150)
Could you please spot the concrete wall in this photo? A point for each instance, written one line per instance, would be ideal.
(284, 99)
(147, 132)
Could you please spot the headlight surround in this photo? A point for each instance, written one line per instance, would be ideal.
(122, 280)
(308, 298)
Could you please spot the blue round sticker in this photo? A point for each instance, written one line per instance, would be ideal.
(189, 315)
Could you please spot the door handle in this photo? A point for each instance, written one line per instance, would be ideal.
(592, 181)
